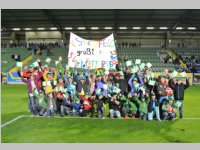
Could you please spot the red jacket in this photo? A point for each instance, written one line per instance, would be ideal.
(86, 103)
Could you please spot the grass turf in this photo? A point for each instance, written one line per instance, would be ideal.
(48, 130)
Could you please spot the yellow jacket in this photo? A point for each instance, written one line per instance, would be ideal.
(48, 88)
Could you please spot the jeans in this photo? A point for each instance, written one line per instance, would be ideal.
(51, 105)
(115, 113)
(101, 112)
(170, 115)
(127, 111)
(60, 106)
(155, 111)
(180, 108)
(42, 111)
(143, 116)
(77, 112)
(33, 103)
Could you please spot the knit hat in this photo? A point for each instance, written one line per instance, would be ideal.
(87, 94)
(171, 98)
(152, 94)
(50, 73)
(82, 78)
(76, 98)
(40, 91)
(100, 94)
(70, 77)
(60, 77)
(134, 79)
(31, 66)
(142, 96)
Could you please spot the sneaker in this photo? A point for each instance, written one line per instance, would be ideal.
(126, 117)
(133, 117)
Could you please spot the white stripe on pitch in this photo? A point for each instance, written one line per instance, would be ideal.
(11, 121)
(23, 116)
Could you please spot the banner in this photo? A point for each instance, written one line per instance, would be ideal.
(91, 54)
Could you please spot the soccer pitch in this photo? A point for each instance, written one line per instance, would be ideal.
(78, 130)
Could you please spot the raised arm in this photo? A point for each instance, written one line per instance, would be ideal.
(171, 84)
(130, 83)
(45, 76)
(23, 80)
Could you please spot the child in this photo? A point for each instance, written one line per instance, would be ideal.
(32, 84)
(129, 108)
(77, 110)
(114, 106)
(133, 83)
(100, 106)
(169, 109)
(59, 94)
(153, 108)
(143, 104)
(49, 81)
(42, 105)
(87, 105)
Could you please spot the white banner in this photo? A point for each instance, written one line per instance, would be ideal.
(91, 54)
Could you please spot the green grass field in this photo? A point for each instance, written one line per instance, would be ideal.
(76, 130)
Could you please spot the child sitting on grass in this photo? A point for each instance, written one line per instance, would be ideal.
(169, 109)
(129, 108)
(87, 105)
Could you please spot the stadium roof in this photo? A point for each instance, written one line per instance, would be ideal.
(61, 18)
(122, 22)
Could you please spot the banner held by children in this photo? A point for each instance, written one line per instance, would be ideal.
(91, 54)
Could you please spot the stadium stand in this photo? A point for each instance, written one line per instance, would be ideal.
(7, 62)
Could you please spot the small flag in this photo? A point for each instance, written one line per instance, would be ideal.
(19, 64)
(35, 64)
(137, 61)
(44, 83)
(142, 66)
(121, 73)
(54, 82)
(183, 74)
(174, 73)
(67, 66)
(151, 82)
(149, 65)
(106, 72)
(56, 62)
(128, 63)
(152, 75)
(48, 60)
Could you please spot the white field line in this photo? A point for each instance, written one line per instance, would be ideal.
(30, 116)
(11, 121)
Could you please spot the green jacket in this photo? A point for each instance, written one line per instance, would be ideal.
(165, 107)
(132, 106)
(143, 105)
(41, 100)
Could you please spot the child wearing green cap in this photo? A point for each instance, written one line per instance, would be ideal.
(169, 109)
(42, 104)
(129, 108)
(143, 105)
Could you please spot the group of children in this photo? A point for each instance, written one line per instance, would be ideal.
(117, 94)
